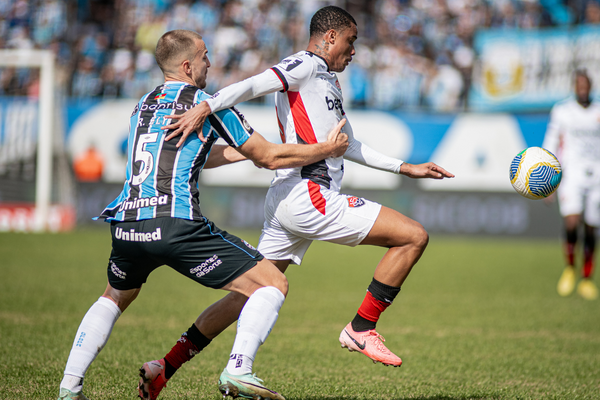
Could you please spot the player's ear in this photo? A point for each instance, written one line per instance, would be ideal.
(187, 66)
(331, 36)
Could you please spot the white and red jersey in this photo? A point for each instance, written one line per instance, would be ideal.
(573, 134)
(309, 104)
(308, 108)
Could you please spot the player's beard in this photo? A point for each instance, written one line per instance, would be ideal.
(201, 80)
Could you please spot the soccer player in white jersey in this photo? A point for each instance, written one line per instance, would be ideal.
(157, 220)
(304, 204)
(573, 135)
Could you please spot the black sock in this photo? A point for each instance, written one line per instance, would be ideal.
(169, 370)
(383, 292)
(197, 338)
(360, 324)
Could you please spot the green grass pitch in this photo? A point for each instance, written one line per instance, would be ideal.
(476, 319)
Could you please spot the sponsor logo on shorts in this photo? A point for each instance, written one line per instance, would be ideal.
(116, 271)
(143, 202)
(354, 201)
(206, 266)
(249, 245)
(133, 236)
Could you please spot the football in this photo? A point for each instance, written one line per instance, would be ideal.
(535, 173)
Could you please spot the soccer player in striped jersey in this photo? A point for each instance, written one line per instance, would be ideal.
(304, 203)
(573, 135)
(157, 220)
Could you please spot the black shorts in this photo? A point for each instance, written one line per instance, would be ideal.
(196, 249)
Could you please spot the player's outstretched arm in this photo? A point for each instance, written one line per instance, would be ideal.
(192, 120)
(222, 154)
(276, 156)
(427, 170)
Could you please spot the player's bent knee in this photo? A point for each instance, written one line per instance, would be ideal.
(272, 276)
(282, 284)
(420, 237)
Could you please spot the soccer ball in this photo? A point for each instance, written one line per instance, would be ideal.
(535, 173)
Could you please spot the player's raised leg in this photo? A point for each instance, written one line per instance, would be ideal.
(406, 240)
(92, 335)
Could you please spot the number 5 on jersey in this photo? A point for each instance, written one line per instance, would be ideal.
(144, 156)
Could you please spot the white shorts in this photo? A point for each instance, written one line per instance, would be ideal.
(297, 214)
(579, 193)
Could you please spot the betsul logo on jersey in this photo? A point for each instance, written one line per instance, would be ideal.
(333, 104)
(354, 201)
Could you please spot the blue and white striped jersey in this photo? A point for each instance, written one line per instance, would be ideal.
(161, 179)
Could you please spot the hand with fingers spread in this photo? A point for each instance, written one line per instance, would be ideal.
(188, 122)
(426, 170)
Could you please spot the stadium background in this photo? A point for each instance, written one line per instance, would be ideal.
(465, 83)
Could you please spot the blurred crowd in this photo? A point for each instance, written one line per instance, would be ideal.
(410, 53)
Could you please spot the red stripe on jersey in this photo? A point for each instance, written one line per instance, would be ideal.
(281, 79)
(317, 199)
(281, 133)
(302, 123)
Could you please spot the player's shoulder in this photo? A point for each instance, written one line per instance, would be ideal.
(301, 55)
(595, 104)
(302, 59)
(564, 105)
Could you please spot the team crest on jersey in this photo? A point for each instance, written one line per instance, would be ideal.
(337, 84)
(354, 201)
(245, 123)
(249, 245)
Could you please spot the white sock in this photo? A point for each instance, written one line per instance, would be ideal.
(254, 325)
(92, 335)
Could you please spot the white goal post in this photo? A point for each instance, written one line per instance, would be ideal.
(45, 61)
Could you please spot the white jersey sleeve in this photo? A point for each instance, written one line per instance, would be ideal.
(290, 74)
(251, 88)
(364, 155)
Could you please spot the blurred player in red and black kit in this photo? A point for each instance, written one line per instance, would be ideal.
(573, 135)
(305, 204)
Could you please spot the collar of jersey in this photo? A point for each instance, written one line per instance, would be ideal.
(324, 60)
(175, 82)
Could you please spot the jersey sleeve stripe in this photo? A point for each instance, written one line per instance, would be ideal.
(216, 124)
(301, 120)
(281, 77)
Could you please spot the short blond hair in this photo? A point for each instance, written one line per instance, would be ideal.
(174, 46)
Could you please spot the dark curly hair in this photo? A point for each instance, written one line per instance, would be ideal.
(330, 17)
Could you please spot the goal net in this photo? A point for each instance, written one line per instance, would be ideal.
(35, 188)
